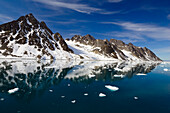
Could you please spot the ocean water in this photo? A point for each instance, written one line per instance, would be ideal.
(61, 86)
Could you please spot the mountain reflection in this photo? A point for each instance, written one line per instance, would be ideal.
(32, 77)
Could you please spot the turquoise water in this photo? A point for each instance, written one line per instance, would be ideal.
(59, 87)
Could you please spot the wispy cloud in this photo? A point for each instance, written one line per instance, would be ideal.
(115, 1)
(143, 30)
(5, 18)
(82, 8)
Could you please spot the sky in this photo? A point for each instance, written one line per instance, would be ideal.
(145, 23)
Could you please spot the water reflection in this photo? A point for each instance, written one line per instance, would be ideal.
(34, 78)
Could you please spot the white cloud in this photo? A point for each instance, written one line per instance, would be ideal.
(143, 30)
(168, 16)
(5, 18)
(114, 1)
(82, 8)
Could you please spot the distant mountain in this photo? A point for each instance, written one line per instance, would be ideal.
(26, 37)
(116, 49)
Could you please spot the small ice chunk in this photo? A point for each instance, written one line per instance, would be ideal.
(165, 69)
(91, 76)
(2, 99)
(112, 88)
(13, 90)
(85, 94)
(135, 98)
(73, 101)
(62, 96)
(50, 90)
(102, 95)
(141, 74)
(121, 76)
(68, 85)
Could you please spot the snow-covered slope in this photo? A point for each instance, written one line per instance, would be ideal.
(29, 38)
(90, 48)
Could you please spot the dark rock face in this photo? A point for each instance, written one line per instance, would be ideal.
(113, 48)
(28, 30)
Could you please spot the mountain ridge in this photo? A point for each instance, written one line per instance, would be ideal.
(26, 37)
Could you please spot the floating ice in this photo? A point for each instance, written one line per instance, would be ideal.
(73, 101)
(165, 69)
(135, 98)
(2, 99)
(90, 76)
(102, 95)
(141, 74)
(50, 90)
(68, 85)
(85, 94)
(62, 96)
(112, 88)
(13, 90)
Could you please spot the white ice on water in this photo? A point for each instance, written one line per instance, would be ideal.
(13, 90)
(112, 88)
(102, 95)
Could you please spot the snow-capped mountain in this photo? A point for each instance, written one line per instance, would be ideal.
(26, 37)
(114, 49)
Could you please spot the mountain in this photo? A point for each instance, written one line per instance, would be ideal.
(116, 49)
(26, 37)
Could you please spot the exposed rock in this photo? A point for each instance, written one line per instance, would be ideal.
(27, 30)
(113, 48)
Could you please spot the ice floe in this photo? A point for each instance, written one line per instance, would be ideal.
(2, 99)
(85, 94)
(102, 95)
(73, 101)
(13, 90)
(165, 69)
(112, 88)
(62, 96)
(68, 85)
(50, 90)
(135, 98)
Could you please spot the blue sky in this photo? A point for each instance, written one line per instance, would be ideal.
(142, 22)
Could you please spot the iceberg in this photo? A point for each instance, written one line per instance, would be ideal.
(165, 69)
(112, 88)
(73, 101)
(85, 94)
(135, 98)
(102, 95)
(13, 90)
